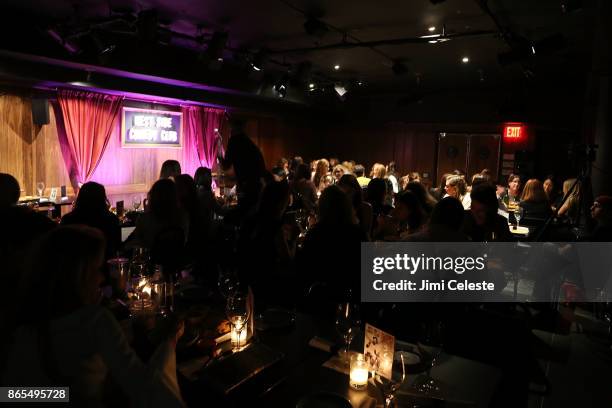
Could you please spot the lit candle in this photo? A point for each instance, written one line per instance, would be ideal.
(238, 338)
(358, 377)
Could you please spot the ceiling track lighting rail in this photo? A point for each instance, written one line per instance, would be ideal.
(377, 43)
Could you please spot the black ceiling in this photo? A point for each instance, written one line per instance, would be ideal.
(184, 27)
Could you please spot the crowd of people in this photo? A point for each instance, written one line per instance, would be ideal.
(291, 232)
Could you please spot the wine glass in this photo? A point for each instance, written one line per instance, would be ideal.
(237, 312)
(348, 322)
(389, 387)
(430, 345)
(518, 214)
(40, 188)
(136, 201)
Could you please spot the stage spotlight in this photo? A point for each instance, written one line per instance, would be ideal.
(399, 68)
(340, 90)
(280, 88)
(259, 60)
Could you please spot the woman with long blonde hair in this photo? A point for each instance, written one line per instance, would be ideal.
(571, 207)
(321, 171)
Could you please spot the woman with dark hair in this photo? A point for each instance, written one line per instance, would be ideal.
(377, 193)
(207, 203)
(320, 174)
(163, 213)
(426, 199)
(482, 222)
(439, 192)
(170, 169)
(410, 213)
(64, 337)
(303, 190)
(91, 208)
(534, 201)
(362, 209)
(330, 253)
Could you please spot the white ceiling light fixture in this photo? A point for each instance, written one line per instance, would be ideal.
(465, 60)
(337, 67)
(431, 29)
(340, 90)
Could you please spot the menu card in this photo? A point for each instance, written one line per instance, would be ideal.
(378, 349)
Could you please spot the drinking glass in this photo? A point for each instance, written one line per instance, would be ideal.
(518, 214)
(430, 345)
(348, 322)
(40, 188)
(389, 387)
(237, 313)
(136, 201)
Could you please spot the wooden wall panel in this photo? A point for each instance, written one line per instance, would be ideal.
(29, 152)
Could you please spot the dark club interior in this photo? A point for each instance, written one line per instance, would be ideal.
(306, 203)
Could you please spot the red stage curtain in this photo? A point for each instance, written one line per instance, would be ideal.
(89, 120)
(199, 136)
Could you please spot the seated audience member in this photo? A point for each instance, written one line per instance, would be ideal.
(392, 177)
(333, 162)
(163, 214)
(455, 187)
(377, 197)
(360, 174)
(480, 178)
(426, 200)
(330, 253)
(549, 188)
(208, 205)
(414, 176)
(601, 212)
(187, 199)
(319, 177)
(64, 336)
(170, 169)
(284, 165)
(362, 209)
(571, 207)
(349, 166)
(439, 192)
(278, 173)
(444, 224)
(410, 214)
(337, 172)
(512, 193)
(21, 227)
(296, 161)
(91, 208)
(303, 189)
(534, 201)
(482, 222)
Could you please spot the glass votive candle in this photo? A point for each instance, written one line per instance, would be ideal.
(358, 374)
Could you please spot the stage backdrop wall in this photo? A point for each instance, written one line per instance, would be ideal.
(32, 153)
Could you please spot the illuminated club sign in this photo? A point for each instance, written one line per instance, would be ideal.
(150, 128)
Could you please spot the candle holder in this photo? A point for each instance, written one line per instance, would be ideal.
(358, 374)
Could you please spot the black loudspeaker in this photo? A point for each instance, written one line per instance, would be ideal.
(40, 111)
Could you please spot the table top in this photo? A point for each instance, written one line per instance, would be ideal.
(301, 372)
